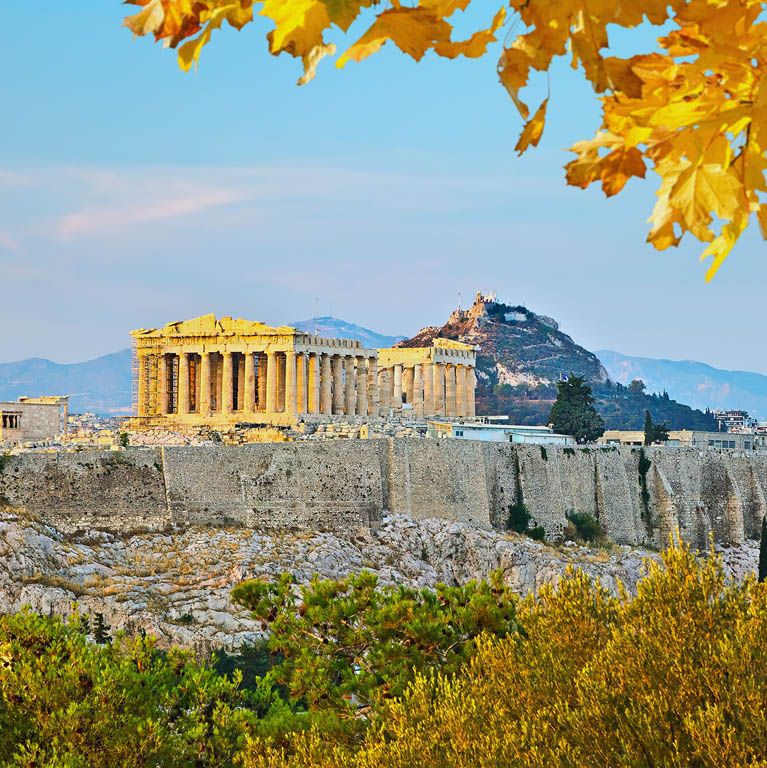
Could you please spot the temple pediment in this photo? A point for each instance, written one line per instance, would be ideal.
(208, 325)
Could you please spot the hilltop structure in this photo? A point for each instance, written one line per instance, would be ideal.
(209, 372)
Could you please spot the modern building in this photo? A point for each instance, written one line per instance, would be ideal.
(33, 419)
(222, 372)
(686, 437)
(498, 433)
(734, 421)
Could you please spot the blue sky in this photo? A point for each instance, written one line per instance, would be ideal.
(133, 194)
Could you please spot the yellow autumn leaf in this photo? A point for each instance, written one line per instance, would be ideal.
(533, 130)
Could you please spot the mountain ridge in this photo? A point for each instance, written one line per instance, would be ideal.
(700, 384)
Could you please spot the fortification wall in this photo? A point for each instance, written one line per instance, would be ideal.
(343, 485)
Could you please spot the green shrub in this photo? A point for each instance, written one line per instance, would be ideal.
(68, 703)
(569, 451)
(587, 529)
(538, 533)
(124, 439)
(544, 455)
(519, 518)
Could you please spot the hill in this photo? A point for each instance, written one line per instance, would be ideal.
(700, 385)
(518, 347)
(339, 329)
(100, 386)
(524, 354)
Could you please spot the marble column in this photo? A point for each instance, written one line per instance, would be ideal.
(290, 382)
(205, 384)
(281, 382)
(143, 385)
(326, 388)
(240, 382)
(338, 385)
(314, 383)
(250, 383)
(227, 385)
(271, 382)
(396, 402)
(450, 391)
(384, 390)
(470, 392)
(362, 386)
(183, 383)
(374, 399)
(418, 391)
(349, 393)
(439, 389)
(428, 391)
(262, 381)
(217, 370)
(301, 384)
(460, 390)
(163, 385)
(408, 377)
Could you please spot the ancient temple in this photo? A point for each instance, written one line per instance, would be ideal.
(225, 371)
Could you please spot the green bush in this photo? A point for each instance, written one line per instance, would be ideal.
(587, 529)
(538, 533)
(518, 518)
(68, 703)
(544, 455)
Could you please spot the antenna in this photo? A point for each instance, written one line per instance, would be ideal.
(316, 315)
(459, 301)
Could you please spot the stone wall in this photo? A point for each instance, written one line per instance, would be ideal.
(347, 484)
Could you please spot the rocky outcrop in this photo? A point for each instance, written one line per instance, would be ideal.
(517, 345)
(175, 584)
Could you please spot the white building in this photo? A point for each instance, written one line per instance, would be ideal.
(498, 433)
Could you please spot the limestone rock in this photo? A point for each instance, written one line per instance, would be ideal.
(176, 585)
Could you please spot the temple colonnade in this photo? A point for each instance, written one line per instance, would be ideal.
(246, 383)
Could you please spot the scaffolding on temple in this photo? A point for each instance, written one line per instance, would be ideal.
(134, 378)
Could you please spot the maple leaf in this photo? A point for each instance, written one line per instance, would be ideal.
(533, 130)
(694, 108)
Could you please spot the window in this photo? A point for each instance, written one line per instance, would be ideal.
(459, 433)
(732, 443)
(710, 442)
(747, 445)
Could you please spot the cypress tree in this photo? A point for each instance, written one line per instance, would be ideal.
(763, 552)
(649, 429)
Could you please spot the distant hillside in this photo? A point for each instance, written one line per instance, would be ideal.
(698, 384)
(100, 386)
(517, 346)
(340, 329)
(523, 356)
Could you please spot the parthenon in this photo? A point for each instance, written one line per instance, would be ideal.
(220, 372)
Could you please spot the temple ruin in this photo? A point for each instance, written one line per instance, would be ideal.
(222, 372)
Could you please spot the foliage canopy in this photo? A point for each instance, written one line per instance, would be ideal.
(672, 677)
(694, 109)
(573, 413)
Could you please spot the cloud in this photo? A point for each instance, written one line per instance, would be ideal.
(117, 217)
(14, 179)
(9, 243)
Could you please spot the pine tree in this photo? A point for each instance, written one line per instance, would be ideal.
(573, 412)
(763, 552)
(101, 630)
